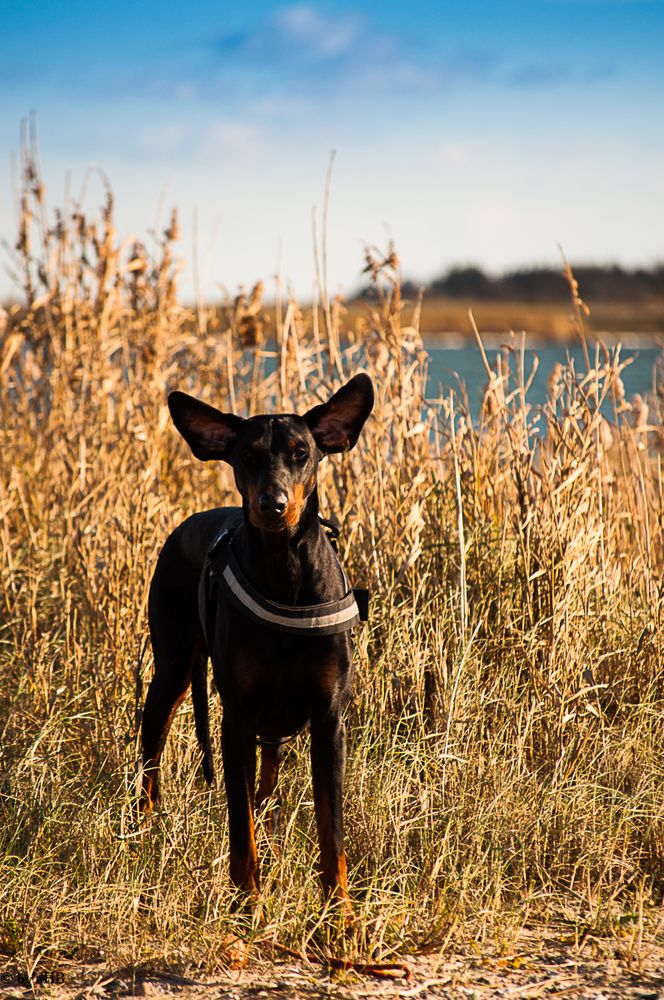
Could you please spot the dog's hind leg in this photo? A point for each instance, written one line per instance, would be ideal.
(200, 697)
(166, 693)
(179, 655)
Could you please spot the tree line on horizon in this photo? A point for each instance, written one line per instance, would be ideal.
(543, 284)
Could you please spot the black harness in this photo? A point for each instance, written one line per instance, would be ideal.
(222, 570)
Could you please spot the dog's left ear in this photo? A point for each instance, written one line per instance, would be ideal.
(336, 425)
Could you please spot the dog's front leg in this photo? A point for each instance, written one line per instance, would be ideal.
(328, 764)
(239, 755)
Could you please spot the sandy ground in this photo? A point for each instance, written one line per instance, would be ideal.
(545, 965)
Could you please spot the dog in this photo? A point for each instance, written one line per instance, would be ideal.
(260, 591)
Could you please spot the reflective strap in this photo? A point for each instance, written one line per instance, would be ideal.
(221, 566)
(301, 620)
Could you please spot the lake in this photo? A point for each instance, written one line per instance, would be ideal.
(465, 362)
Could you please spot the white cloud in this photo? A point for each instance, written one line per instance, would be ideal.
(326, 35)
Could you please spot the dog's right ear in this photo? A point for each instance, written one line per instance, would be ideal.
(209, 433)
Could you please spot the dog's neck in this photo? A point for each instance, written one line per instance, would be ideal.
(293, 566)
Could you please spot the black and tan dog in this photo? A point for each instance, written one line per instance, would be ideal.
(260, 590)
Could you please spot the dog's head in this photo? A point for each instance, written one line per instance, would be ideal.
(275, 458)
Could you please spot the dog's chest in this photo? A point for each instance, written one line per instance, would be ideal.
(283, 677)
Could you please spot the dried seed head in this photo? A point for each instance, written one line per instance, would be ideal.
(605, 435)
(392, 258)
(172, 232)
(489, 401)
(377, 349)
(107, 210)
(256, 296)
(138, 261)
(554, 385)
(640, 411)
(574, 289)
(250, 330)
(58, 229)
(371, 265)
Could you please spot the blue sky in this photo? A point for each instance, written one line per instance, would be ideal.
(477, 131)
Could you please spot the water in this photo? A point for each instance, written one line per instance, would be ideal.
(465, 362)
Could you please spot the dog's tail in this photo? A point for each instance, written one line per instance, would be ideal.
(199, 695)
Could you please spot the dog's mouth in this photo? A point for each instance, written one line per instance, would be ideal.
(268, 522)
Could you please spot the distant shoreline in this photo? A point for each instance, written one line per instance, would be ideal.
(551, 322)
(452, 340)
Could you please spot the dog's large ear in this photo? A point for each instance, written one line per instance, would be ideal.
(336, 425)
(208, 432)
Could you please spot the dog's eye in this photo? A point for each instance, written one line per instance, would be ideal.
(300, 454)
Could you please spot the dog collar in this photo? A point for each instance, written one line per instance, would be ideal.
(330, 618)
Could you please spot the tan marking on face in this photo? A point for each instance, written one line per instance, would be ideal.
(295, 504)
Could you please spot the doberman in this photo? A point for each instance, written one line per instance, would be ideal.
(260, 590)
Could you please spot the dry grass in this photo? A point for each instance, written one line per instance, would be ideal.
(506, 740)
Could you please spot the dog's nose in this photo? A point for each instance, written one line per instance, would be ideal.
(272, 503)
